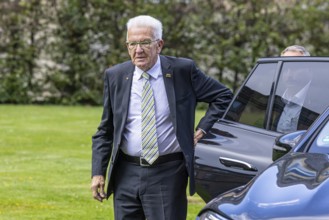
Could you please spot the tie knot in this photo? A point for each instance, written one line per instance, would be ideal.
(146, 75)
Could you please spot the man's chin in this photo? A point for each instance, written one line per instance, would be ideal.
(142, 66)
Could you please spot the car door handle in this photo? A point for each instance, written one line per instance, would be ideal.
(228, 162)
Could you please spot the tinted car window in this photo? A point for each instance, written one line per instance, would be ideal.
(250, 105)
(300, 95)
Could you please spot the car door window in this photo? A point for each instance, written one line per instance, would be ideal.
(300, 95)
(250, 105)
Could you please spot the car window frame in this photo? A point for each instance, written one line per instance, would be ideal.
(270, 100)
(280, 61)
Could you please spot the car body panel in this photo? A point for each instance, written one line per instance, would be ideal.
(227, 143)
(293, 187)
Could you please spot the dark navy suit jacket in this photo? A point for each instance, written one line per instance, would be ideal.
(185, 86)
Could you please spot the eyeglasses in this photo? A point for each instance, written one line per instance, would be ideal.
(146, 44)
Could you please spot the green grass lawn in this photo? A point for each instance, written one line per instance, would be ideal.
(45, 162)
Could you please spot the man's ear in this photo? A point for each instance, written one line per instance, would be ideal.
(160, 44)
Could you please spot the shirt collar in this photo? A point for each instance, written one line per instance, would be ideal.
(154, 72)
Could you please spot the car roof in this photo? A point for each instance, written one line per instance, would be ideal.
(293, 58)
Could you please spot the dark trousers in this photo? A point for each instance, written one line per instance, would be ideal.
(152, 193)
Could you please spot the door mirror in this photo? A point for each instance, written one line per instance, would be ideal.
(283, 144)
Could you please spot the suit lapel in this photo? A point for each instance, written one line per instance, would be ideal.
(168, 78)
(126, 82)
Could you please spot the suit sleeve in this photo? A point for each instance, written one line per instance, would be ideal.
(210, 91)
(102, 140)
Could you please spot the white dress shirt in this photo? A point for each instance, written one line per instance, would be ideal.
(167, 141)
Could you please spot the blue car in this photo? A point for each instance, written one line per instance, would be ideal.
(295, 186)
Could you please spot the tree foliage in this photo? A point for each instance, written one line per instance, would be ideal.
(56, 51)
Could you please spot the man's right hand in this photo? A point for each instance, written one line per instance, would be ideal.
(97, 188)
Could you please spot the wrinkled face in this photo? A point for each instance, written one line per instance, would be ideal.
(144, 56)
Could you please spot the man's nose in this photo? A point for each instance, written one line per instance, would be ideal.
(139, 48)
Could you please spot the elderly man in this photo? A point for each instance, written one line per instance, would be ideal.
(145, 139)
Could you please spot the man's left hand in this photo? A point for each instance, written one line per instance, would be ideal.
(198, 135)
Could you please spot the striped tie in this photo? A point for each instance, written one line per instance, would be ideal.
(150, 151)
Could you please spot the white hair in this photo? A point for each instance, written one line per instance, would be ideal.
(146, 21)
(296, 48)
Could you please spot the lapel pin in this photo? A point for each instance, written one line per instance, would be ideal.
(127, 78)
(168, 75)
